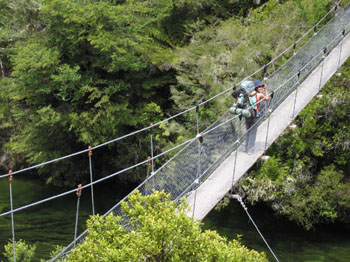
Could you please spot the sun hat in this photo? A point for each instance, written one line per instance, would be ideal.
(258, 83)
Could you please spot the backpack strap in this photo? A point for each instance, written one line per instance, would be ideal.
(254, 100)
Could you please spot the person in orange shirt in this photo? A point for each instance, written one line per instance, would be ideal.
(251, 123)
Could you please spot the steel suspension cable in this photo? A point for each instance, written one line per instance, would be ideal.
(143, 162)
(251, 219)
(168, 119)
(96, 181)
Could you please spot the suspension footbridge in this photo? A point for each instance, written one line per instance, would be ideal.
(206, 166)
(215, 187)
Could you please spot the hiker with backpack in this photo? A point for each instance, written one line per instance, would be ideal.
(248, 105)
(259, 94)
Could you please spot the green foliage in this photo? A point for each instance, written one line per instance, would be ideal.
(307, 177)
(24, 252)
(313, 11)
(227, 51)
(159, 231)
(89, 71)
(97, 70)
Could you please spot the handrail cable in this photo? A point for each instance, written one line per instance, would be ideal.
(96, 181)
(65, 250)
(159, 155)
(171, 117)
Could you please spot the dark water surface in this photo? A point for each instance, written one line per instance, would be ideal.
(51, 223)
(290, 243)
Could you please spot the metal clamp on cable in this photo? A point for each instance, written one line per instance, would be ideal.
(200, 137)
(10, 176)
(78, 193)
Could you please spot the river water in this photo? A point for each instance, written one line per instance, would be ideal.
(53, 223)
(290, 243)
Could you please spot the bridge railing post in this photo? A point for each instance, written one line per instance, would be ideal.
(235, 162)
(269, 111)
(152, 148)
(321, 76)
(78, 193)
(12, 219)
(341, 47)
(296, 93)
(198, 174)
(91, 180)
(200, 141)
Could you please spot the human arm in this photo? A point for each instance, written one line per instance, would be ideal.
(266, 94)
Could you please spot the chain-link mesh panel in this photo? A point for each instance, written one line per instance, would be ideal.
(198, 159)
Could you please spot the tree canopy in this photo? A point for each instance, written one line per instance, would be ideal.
(159, 230)
(307, 176)
(79, 73)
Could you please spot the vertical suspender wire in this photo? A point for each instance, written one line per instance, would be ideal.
(198, 160)
(147, 185)
(78, 193)
(152, 152)
(268, 127)
(323, 58)
(268, 121)
(91, 180)
(12, 220)
(296, 93)
(148, 166)
(341, 47)
(197, 114)
(236, 144)
(235, 163)
(294, 49)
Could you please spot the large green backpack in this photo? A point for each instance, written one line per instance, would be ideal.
(241, 104)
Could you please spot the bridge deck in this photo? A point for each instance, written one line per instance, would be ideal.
(220, 182)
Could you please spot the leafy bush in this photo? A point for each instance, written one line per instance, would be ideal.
(24, 252)
(159, 230)
(307, 177)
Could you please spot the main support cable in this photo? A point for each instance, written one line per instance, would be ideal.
(176, 115)
(169, 150)
(96, 181)
(251, 219)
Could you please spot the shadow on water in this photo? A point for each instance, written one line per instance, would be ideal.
(327, 243)
(51, 223)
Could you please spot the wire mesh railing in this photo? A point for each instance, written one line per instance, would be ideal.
(191, 165)
(178, 114)
(199, 156)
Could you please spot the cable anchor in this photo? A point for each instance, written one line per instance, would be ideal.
(10, 176)
(78, 193)
(324, 52)
(200, 137)
(151, 129)
(264, 72)
(294, 47)
(90, 151)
